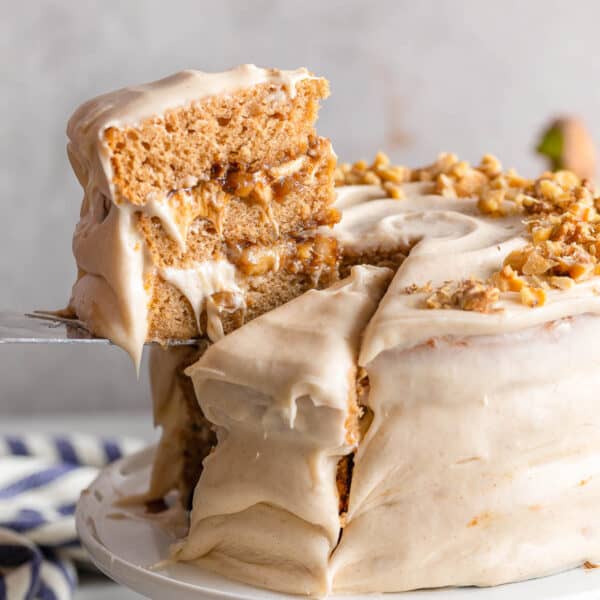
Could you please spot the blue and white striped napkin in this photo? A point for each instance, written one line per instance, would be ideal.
(41, 477)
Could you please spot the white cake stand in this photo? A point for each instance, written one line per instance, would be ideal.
(128, 544)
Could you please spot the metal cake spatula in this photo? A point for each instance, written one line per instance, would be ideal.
(43, 328)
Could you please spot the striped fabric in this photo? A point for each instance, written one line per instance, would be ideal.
(41, 478)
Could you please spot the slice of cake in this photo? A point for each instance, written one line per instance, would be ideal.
(201, 193)
(281, 393)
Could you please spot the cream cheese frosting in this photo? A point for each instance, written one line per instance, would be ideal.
(111, 293)
(199, 282)
(266, 507)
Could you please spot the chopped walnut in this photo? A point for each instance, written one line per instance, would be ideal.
(453, 178)
(507, 280)
(561, 283)
(536, 264)
(393, 191)
(561, 213)
(491, 203)
(468, 294)
(442, 165)
(380, 172)
(533, 296)
(564, 227)
(490, 166)
(553, 258)
(413, 288)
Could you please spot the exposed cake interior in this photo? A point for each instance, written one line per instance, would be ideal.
(187, 436)
(198, 187)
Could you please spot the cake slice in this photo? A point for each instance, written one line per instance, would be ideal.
(281, 393)
(201, 193)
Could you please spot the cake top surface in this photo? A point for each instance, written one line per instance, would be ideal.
(490, 252)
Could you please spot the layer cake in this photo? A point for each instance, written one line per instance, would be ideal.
(408, 398)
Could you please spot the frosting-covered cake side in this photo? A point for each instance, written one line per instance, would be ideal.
(481, 465)
(281, 393)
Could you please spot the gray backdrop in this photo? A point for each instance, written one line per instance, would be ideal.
(413, 77)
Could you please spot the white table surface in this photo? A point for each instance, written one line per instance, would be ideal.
(93, 586)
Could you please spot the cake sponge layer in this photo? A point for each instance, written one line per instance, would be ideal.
(186, 303)
(253, 127)
(242, 207)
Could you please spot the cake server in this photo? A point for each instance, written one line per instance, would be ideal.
(44, 328)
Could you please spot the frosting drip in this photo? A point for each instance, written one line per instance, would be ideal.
(110, 293)
(168, 210)
(199, 283)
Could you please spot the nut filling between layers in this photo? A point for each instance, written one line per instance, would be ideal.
(193, 237)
